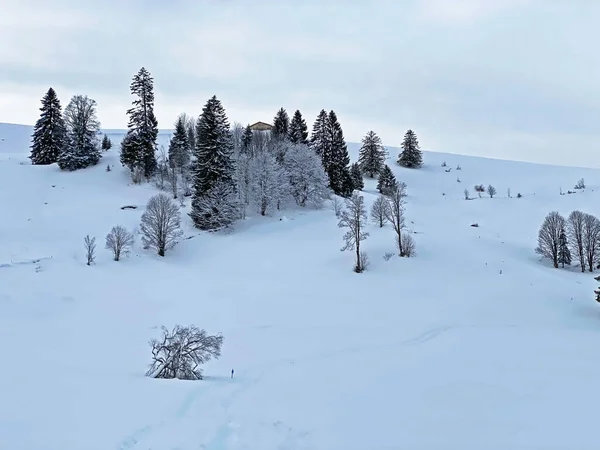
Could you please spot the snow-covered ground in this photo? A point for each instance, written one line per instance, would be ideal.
(473, 344)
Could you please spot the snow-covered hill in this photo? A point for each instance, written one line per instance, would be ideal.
(473, 344)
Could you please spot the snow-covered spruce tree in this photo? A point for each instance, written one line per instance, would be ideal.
(354, 217)
(298, 129)
(378, 211)
(106, 143)
(49, 133)
(268, 182)
(564, 254)
(575, 236)
(591, 240)
(357, 178)
(179, 147)
(387, 181)
(549, 237)
(411, 155)
(394, 213)
(247, 140)
(281, 125)
(336, 159)
(82, 149)
(215, 165)
(161, 223)
(372, 155)
(138, 151)
(318, 138)
(307, 178)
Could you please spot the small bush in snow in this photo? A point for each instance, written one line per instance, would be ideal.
(508, 193)
(491, 190)
(161, 224)
(119, 241)
(180, 352)
(408, 245)
(458, 167)
(466, 192)
(479, 189)
(444, 164)
(580, 184)
(387, 256)
(519, 195)
(108, 169)
(90, 249)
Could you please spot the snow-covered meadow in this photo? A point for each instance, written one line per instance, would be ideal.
(473, 344)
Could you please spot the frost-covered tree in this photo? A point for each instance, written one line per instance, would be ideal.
(354, 217)
(119, 241)
(491, 190)
(106, 143)
(591, 240)
(179, 146)
(268, 182)
(298, 133)
(281, 125)
(181, 351)
(49, 133)
(387, 181)
(247, 140)
(218, 208)
(372, 155)
(336, 159)
(161, 224)
(307, 178)
(378, 211)
(411, 155)
(89, 244)
(138, 151)
(394, 213)
(575, 232)
(318, 138)
(549, 237)
(564, 254)
(215, 165)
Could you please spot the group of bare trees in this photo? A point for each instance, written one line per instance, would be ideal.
(575, 239)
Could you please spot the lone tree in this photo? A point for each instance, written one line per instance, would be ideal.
(357, 179)
(298, 133)
(378, 211)
(106, 143)
(549, 237)
(372, 155)
(138, 148)
(575, 232)
(281, 125)
(179, 353)
(411, 155)
(355, 218)
(161, 224)
(387, 181)
(491, 190)
(119, 241)
(564, 254)
(394, 213)
(49, 133)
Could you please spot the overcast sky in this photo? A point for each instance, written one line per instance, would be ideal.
(501, 78)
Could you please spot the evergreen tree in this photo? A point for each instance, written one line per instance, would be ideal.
(318, 139)
(357, 178)
(387, 181)
(411, 155)
(247, 139)
(49, 132)
(82, 149)
(564, 254)
(336, 159)
(214, 169)
(372, 155)
(106, 143)
(140, 149)
(179, 146)
(298, 129)
(281, 125)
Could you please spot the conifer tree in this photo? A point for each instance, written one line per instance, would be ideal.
(318, 139)
(106, 143)
(139, 151)
(49, 132)
(336, 159)
(214, 187)
(247, 139)
(281, 125)
(411, 155)
(372, 155)
(298, 129)
(564, 254)
(357, 178)
(387, 181)
(179, 146)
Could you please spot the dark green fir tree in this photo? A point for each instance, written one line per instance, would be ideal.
(411, 155)
(387, 181)
(372, 155)
(49, 133)
(298, 129)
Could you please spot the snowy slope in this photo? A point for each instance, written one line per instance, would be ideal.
(441, 351)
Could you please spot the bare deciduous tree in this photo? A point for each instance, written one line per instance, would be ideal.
(180, 352)
(354, 218)
(549, 237)
(119, 241)
(591, 240)
(161, 224)
(575, 235)
(395, 213)
(491, 190)
(338, 206)
(90, 249)
(378, 213)
(308, 180)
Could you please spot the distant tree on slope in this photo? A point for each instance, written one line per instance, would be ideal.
(281, 125)
(106, 143)
(575, 232)
(357, 178)
(549, 237)
(564, 254)
(387, 181)
(411, 155)
(49, 133)
(591, 240)
(298, 133)
(161, 224)
(372, 155)
(355, 218)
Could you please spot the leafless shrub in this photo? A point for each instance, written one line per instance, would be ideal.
(575, 232)
(508, 193)
(90, 249)
(408, 245)
(137, 175)
(549, 237)
(119, 241)
(180, 352)
(591, 240)
(466, 192)
(580, 184)
(354, 218)
(479, 189)
(444, 164)
(364, 263)
(458, 180)
(519, 195)
(378, 209)
(491, 190)
(161, 224)
(108, 169)
(387, 256)
(458, 167)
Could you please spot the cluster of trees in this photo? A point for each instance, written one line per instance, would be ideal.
(575, 239)
(68, 138)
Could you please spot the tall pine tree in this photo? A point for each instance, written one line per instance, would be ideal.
(336, 159)
(564, 254)
(49, 133)
(179, 146)
(411, 155)
(247, 139)
(139, 149)
(318, 139)
(106, 143)
(281, 125)
(298, 129)
(372, 155)
(357, 178)
(214, 186)
(387, 181)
